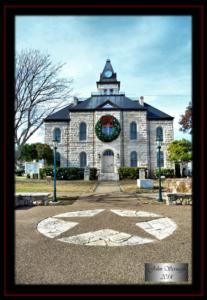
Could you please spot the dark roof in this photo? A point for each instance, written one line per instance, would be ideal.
(156, 114)
(105, 80)
(108, 66)
(118, 102)
(61, 115)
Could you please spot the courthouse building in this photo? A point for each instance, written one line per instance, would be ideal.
(109, 130)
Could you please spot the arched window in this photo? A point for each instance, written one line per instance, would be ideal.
(159, 134)
(133, 131)
(57, 159)
(161, 159)
(133, 159)
(108, 152)
(82, 131)
(82, 160)
(57, 135)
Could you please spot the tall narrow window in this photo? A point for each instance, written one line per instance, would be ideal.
(82, 160)
(82, 131)
(161, 159)
(57, 135)
(133, 159)
(133, 131)
(57, 159)
(159, 133)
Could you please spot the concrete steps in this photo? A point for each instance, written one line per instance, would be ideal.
(108, 177)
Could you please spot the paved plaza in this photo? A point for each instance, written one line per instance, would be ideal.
(102, 238)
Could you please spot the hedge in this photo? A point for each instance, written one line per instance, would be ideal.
(93, 174)
(19, 172)
(168, 173)
(71, 173)
(129, 173)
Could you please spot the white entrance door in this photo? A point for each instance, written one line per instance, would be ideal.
(108, 161)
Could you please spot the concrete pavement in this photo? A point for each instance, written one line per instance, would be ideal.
(44, 260)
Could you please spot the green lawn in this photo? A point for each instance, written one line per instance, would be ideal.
(31, 185)
(131, 186)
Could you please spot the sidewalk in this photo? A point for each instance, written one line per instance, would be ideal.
(107, 187)
(43, 260)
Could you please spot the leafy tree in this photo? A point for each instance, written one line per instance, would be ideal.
(186, 120)
(180, 151)
(44, 152)
(36, 151)
(39, 91)
(28, 152)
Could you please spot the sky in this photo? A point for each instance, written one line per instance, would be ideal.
(152, 55)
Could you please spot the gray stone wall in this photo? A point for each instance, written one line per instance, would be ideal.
(70, 146)
(75, 145)
(168, 137)
(115, 145)
(140, 145)
(63, 145)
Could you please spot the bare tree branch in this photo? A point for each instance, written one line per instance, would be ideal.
(39, 91)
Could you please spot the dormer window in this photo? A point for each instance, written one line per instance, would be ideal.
(105, 91)
(111, 91)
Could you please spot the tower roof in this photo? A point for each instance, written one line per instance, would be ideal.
(108, 67)
(108, 75)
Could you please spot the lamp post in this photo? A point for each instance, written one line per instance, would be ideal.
(160, 188)
(55, 148)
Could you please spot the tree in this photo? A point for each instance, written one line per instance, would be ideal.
(39, 91)
(186, 120)
(36, 151)
(28, 152)
(180, 152)
(44, 152)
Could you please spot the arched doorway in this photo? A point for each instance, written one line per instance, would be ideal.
(108, 161)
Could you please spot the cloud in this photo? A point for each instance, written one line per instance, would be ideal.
(150, 54)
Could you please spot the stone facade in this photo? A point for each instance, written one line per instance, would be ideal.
(168, 137)
(108, 100)
(63, 146)
(145, 145)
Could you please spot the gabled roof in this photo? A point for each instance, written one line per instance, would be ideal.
(156, 114)
(61, 115)
(118, 102)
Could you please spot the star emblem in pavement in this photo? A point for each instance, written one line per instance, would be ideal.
(111, 227)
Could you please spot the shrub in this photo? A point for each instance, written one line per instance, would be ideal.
(19, 172)
(71, 173)
(168, 173)
(93, 174)
(129, 173)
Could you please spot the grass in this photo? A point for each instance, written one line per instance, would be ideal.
(131, 186)
(23, 184)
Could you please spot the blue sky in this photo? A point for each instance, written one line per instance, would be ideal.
(150, 54)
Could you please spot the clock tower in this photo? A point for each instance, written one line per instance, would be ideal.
(108, 84)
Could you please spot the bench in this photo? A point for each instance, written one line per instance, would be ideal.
(30, 199)
(179, 198)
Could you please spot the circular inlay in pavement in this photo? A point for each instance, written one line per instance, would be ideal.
(158, 228)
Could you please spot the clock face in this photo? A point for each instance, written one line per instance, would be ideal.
(108, 73)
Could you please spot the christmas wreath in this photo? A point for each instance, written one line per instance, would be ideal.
(107, 128)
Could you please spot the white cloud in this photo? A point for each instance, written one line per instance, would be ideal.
(150, 54)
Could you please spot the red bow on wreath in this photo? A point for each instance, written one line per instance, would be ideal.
(107, 121)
